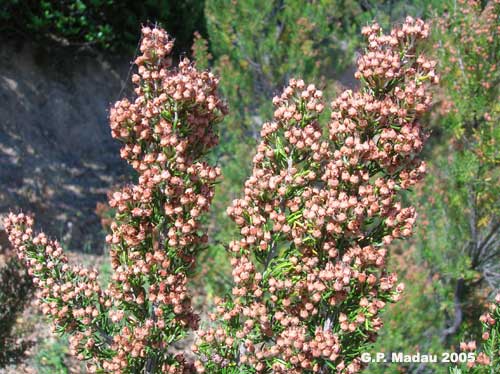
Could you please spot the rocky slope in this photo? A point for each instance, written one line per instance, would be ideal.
(57, 157)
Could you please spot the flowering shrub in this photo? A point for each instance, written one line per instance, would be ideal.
(318, 214)
(156, 232)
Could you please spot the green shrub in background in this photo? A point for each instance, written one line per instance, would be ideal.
(462, 241)
(108, 24)
(458, 248)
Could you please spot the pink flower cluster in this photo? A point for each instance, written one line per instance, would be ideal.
(70, 295)
(318, 212)
(156, 233)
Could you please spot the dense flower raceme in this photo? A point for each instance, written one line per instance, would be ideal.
(156, 233)
(488, 359)
(318, 214)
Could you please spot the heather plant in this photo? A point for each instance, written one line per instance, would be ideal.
(156, 234)
(318, 215)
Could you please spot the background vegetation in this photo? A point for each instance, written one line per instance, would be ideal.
(111, 25)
